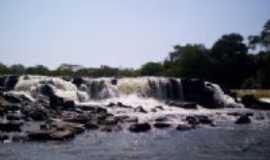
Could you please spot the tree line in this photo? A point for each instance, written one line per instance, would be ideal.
(232, 61)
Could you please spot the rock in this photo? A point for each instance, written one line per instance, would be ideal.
(162, 125)
(10, 126)
(3, 137)
(8, 82)
(121, 105)
(78, 81)
(244, 119)
(140, 109)
(69, 105)
(78, 119)
(199, 119)
(139, 127)
(114, 81)
(161, 119)
(126, 119)
(62, 134)
(184, 127)
(252, 102)
(39, 135)
(13, 117)
(192, 120)
(185, 105)
(111, 104)
(91, 126)
(196, 91)
(36, 112)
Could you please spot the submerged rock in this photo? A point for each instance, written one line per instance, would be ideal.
(10, 126)
(139, 127)
(243, 119)
(162, 125)
(184, 127)
(252, 102)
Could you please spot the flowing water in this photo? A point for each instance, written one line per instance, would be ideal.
(226, 141)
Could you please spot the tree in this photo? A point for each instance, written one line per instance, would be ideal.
(231, 62)
(151, 69)
(263, 39)
(38, 69)
(191, 61)
(4, 69)
(17, 69)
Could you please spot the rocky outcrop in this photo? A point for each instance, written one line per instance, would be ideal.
(139, 127)
(252, 102)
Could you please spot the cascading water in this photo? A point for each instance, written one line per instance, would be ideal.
(99, 89)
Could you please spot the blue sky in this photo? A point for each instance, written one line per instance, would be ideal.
(119, 33)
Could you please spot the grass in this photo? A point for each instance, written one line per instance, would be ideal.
(259, 93)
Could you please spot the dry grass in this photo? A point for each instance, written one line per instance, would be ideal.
(259, 93)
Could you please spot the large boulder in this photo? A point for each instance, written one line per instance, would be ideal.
(10, 126)
(195, 91)
(252, 102)
(8, 82)
(140, 127)
(243, 119)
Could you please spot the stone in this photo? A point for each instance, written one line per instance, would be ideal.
(10, 126)
(140, 127)
(162, 125)
(91, 126)
(243, 119)
(140, 109)
(184, 127)
(252, 102)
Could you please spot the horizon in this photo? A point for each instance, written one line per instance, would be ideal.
(118, 34)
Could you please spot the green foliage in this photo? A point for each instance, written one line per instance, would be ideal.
(151, 69)
(228, 63)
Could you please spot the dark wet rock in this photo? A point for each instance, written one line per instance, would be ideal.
(62, 134)
(240, 113)
(39, 135)
(244, 119)
(162, 125)
(91, 126)
(114, 81)
(121, 105)
(36, 112)
(199, 119)
(139, 127)
(10, 126)
(13, 117)
(192, 120)
(8, 82)
(3, 137)
(111, 104)
(69, 105)
(13, 107)
(196, 91)
(80, 118)
(126, 119)
(78, 81)
(92, 108)
(16, 98)
(204, 120)
(159, 107)
(252, 102)
(140, 109)
(184, 127)
(161, 119)
(185, 105)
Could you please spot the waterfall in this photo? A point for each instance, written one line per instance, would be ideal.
(98, 89)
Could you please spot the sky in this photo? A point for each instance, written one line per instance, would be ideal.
(118, 33)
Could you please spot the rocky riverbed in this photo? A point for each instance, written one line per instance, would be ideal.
(44, 108)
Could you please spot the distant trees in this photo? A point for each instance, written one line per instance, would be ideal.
(151, 69)
(230, 62)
